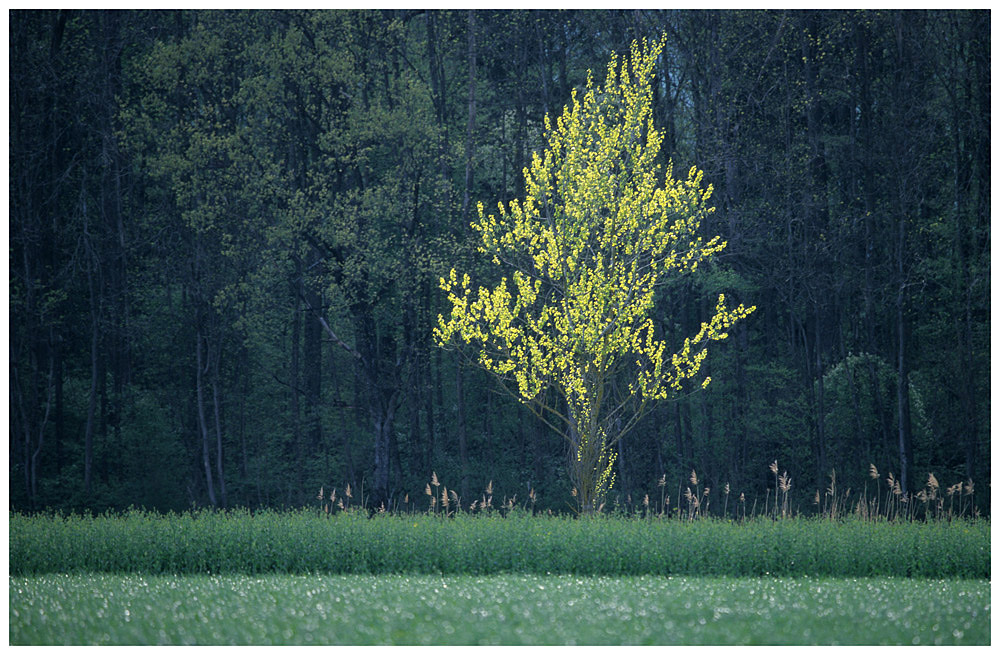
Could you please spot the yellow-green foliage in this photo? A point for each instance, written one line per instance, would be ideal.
(601, 227)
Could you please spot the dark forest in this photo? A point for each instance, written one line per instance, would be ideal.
(227, 231)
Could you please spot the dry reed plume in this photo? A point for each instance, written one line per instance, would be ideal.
(933, 501)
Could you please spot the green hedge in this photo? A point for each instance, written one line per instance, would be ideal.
(302, 542)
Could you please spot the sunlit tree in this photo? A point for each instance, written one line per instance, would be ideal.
(600, 228)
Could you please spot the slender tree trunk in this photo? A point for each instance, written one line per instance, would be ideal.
(470, 130)
(218, 427)
(426, 377)
(43, 424)
(202, 424)
(417, 451)
(463, 452)
(625, 479)
(88, 436)
(964, 242)
(437, 405)
(59, 417)
(742, 402)
(312, 355)
(536, 435)
(296, 374)
(820, 402)
(544, 69)
(20, 433)
(902, 376)
(383, 419)
(244, 450)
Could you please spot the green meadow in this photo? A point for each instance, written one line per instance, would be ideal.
(306, 578)
(505, 609)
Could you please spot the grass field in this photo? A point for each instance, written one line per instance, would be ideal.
(300, 578)
(501, 609)
(302, 542)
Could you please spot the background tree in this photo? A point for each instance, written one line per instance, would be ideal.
(188, 183)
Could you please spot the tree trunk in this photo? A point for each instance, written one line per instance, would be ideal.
(312, 355)
(821, 464)
(383, 416)
(463, 454)
(203, 425)
(470, 130)
(218, 427)
(902, 387)
(88, 435)
(33, 475)
(295, 374)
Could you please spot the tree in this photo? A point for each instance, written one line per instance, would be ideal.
(594, 239)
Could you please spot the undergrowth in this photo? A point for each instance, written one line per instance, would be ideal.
(354, 541)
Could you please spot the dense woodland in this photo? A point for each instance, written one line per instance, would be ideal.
(227, 231)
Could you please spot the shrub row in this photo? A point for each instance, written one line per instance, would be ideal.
(302, 542)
